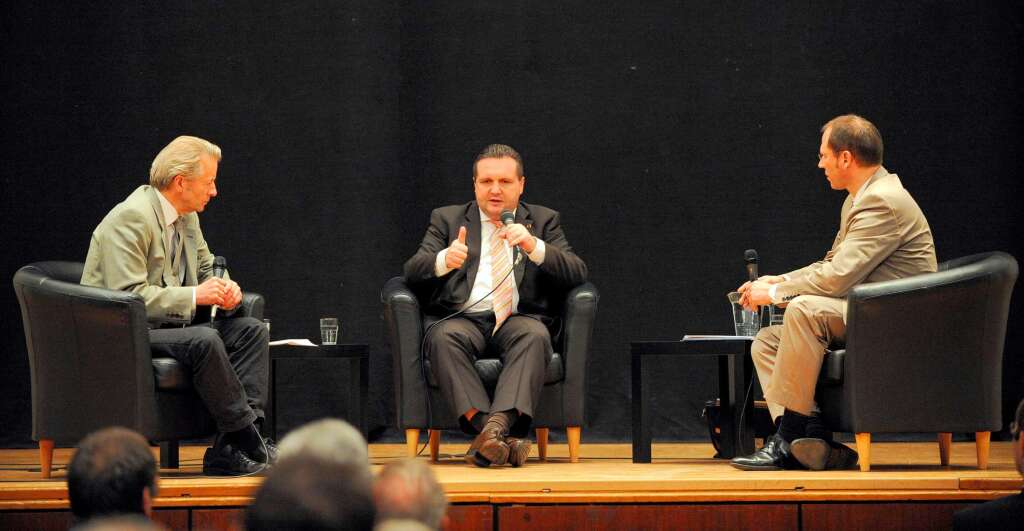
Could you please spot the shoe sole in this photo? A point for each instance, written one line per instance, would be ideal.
(811, 453)
(817, 454)
(495, 452)
(754, 467)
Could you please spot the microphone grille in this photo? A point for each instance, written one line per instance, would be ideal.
(507, 217)
(750, 255)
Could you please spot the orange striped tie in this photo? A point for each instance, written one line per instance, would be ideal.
(500, 265)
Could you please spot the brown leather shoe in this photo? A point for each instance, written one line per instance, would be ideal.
(518, 451)
(487, 449)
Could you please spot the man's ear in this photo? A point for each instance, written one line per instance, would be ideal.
(147, 502)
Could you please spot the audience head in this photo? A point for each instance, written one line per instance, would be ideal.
(310, 493)
(1018, 441)
(408, 490)
(112, 472)
(121, 522)
(332, 440)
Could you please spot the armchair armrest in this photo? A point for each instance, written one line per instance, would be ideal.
(404, 326)
(252, 305)
(580, 314)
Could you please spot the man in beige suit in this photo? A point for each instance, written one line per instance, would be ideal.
(883, 235)
(151, 244)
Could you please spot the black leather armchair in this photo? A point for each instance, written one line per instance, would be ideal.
(91, 365)
(923, 354)
(563, 397)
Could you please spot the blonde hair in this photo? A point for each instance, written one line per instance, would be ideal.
(180, 157)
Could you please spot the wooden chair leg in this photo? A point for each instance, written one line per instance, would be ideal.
(412, 438)
(573, 434)
(435, 444)
(981, 443)
(864, 449)
(945, 442)
(45, 457)
(542, 444)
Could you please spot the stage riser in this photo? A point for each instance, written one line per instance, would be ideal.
(596, 517)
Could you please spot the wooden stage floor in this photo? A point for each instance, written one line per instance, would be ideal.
(679, 473)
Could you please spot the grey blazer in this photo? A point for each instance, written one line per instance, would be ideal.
(128, 252)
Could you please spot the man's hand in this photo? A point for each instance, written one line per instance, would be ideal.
(769, 279)
(517, 234)
(754, 294)
(212, 291)
(457, 251)
(233, 296)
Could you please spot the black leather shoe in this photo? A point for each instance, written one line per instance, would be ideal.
(518, 450)
(819, 454)
(774, 455)
(228, 460)
(258, 455)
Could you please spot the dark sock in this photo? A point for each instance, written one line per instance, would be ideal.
(817, 429)
(245, 439)
(478, 421)
(793, 426)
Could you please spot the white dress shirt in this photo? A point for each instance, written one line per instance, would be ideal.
(482, 286)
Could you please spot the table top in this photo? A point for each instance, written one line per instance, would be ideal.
(706, 346)
(344, 350)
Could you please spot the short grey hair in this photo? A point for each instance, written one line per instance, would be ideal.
(332, 440)
(180, 157)
(408, 490)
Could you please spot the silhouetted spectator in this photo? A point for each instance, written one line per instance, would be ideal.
(407, 489)
(112, 472)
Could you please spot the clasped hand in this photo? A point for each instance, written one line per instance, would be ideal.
(218, 291)
(754, 294)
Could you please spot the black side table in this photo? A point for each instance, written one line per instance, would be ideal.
(732, 379)
(358, 356)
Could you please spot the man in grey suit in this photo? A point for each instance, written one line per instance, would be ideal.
(501, 280)
(151, 244)
(883, 235)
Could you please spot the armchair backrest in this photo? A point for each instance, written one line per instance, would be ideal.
(89, 356)
(932, 341)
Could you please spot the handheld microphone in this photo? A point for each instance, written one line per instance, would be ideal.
(750, 257)
(508, 218)
(220, 265)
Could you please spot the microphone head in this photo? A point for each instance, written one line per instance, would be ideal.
(750, 256)
(220, 262)
(507, 217)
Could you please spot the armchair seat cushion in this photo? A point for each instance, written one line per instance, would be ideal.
(171, 375)
(490, 368)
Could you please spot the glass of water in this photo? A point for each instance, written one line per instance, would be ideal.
(329, 331)
(746, 322)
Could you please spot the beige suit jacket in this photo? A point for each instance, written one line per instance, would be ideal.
(883, 236)
(128, 252)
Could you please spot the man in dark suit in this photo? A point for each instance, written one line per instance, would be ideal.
(151, 244)
(1004, 513)
(500, 279)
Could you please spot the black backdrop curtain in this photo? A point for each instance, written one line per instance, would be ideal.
(671, 136)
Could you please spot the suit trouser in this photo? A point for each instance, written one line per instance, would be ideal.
(229, 363)
(788, 356)
(524, 346)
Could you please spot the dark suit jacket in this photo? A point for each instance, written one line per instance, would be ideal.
(540, 287)
(1004, 513)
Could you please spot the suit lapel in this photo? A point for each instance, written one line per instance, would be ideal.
(473, 237)
(523, 218)
(161, 231)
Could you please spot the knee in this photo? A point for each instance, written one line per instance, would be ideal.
(206, 340)
(799, 309)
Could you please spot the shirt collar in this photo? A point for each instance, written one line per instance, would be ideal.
(486, 220)
(170, 213)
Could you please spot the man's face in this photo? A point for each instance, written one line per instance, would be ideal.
(497, 185)
(834, 164)
(198, 190)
